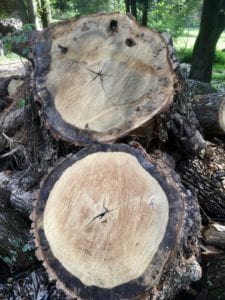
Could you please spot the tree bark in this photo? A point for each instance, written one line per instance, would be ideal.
(210, 111)
(21, 6)
(184, 131)
(127, 5)
(144, 20)
(133, 8)
(44, 12)
(15, 240)
(32, 8)
(205, 175)
(211, 27)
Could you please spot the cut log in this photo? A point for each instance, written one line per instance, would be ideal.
(205, 174)
(183, 129)
(210, 111)
(110, 225)
(102, 76)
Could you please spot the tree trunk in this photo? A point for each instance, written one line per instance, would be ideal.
(21, 6)
(121, 78)
(184, 131)
(210, 111)
(133, 8)
(44, 12)
(127, 5)
(107, 206)
(32, 7)
(211, 27)
(144, 20)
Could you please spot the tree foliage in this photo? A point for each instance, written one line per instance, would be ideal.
(164, 15)
(27, 10)
(172, 16)
(71, 8)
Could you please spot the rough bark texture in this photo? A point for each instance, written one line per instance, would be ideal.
(144, 20)
(205, 174)
(210, 111)
(183, 129)
(19, 197)
(45, 13)
(176, 249)
(123, 80)
(15, 247)
(212, 25)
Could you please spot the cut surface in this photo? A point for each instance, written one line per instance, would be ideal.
(107, 221)
(105, 218)
(105, 76)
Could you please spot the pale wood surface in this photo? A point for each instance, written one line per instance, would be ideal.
(106, 75)
(110, 248)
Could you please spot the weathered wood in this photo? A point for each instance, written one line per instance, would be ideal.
(15, 247)
(183, 129)
(10, 124)
(210, 111)
(119, 228)
(19, 197)
(214, 235)
(102, 76)
(205, 174)
(4, 102)
(4, 83)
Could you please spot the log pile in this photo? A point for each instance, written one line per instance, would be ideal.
(113, 218)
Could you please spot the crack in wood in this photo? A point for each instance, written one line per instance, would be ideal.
(100, 74)
(101, 215)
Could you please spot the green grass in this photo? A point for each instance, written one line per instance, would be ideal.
(188, 38)
(218, 74)
(184, 55)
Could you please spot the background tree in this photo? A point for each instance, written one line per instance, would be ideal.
(211, 27)
(145, 4)
(36, 12)
(7, 8)
(44, 11)
(172, 16)
(80, 7)
(131, 7)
